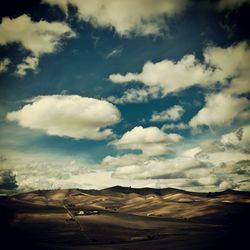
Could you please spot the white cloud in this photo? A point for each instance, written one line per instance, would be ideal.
(231, 62)
(224, 157)
(141, 17)
(232, 71)
(188, 172)
(245, 115)
(175, 126)
(4, 64)
(220, 109)
(230, 168)
(37, 37)
(34, 172)
(28, 63)
(151, 140)
(227, 185)
(155, 168)
(140, 166)
(174, 113)
(191, 153)
(169, 75)
(224, 153)
(136, 95)
(211, 165)
(209, 180)
(230, 4)
(239, 138)
(228, 66)
(68, 115)
(124, 160)
(232, 138)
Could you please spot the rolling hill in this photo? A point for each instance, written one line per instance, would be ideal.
(125, 218)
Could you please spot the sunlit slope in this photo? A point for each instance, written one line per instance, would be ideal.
(171, 203)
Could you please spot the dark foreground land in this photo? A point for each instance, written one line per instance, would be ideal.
(125, 218)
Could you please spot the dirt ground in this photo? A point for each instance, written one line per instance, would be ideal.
(29, 226)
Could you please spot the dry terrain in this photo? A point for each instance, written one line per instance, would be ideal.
(125, 218)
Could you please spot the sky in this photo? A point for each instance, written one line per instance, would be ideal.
(146, 93)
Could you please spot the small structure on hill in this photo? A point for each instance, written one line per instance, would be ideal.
(83, 213)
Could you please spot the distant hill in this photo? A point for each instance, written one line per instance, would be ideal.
(167, 202)
(142, 191)
(125, 215)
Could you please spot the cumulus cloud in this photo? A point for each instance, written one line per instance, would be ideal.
(192, 152)
(125, 17)
(175, 126)
(154, 168)
(33, 172)
(68, 115)
(220, 109)
(186, 171)
(136, 95)
(169, 75)
(235, 168)
(232, 67)
(210, 166)
(233, 72)
(230, 165)
(4, 63)
(222, 156)
(151, 140)
(124, 160)
(227, 66)
(174, 113)
(28, 63)
(36, 37)
(229, 150)
(239, 138)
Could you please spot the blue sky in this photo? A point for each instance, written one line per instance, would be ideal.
(138, 93)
